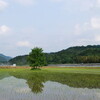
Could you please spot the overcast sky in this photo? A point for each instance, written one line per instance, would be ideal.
(50, 24)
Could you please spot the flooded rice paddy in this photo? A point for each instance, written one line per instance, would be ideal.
(45, 84)
(12, 88)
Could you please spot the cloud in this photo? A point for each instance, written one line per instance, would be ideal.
(95, 23)
(81, 28)
(92, 24)
(24, 44)
(3, 4)
(4, 30)
(98, 1)
(26, 2)
(97, 38)
(84, 5)
(89, 32)
(80, 5)
(77, 30)
(97, 4)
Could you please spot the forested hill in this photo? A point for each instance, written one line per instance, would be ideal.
(19, 60)
(77, 54)
(4, 58)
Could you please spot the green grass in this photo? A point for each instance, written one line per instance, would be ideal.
(83, 70)
(74, 77)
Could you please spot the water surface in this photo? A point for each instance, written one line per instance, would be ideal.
(12, 88)
(77, 65)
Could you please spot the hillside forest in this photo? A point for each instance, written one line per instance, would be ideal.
(77, 54)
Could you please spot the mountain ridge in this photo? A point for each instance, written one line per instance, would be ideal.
(4, 58)
(76, 54)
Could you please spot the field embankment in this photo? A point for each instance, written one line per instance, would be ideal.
(83, 70)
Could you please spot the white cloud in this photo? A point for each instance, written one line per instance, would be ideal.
(97, 38)
(4, 30)
(98, 1)
(97, 4)
(92, 24)
(77, 29)
(24, 44)
(80, 5)
(95, 23)
(26, 2)
(84, 5)
(90, 31)
(81, 28)
(3, 4)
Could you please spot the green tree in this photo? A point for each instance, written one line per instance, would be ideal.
(36, 58)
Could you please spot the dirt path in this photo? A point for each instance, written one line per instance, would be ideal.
(45, 67)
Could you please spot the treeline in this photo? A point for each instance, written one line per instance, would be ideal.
(19, 60)
(78, 54)
(87, 59)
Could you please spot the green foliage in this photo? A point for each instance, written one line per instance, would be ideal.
(19, 60)
(36, 58)
(78, 54)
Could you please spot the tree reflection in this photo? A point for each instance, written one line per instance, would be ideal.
(35, 79)
(36, 84)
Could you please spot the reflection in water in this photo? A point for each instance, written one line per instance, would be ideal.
(35, 82)
(12, 88)
(36, 85)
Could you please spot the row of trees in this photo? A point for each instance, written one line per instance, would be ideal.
(82, 54)
(87, 59)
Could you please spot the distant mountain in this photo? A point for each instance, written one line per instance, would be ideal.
(77, 54)
(4, 58)
(19, 60)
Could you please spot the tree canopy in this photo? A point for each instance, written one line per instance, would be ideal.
(36, 58)
(78, 54)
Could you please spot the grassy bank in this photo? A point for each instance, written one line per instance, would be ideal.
(81, 70)
(74, 77)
